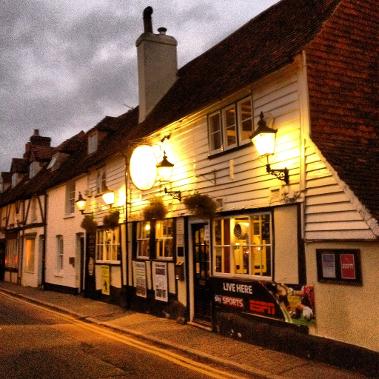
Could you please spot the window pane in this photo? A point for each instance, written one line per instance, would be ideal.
(215, 131)
(230, 126)
(245, 119)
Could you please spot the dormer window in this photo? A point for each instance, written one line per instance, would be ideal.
(92, 142)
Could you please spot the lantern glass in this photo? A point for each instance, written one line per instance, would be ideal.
(81, 203)
(108, 197)
(264, 143)
(165, 168)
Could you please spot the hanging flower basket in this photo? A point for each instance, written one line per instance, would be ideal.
(89, 224)
(201, 206)
(156, 210)
(110, 220)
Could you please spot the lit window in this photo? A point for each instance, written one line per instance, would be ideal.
(70, 198)
(108, 246)
(29, 254)
(11, 253)
(245, 120)
(215, 132)
(59, 254)
(101, 181)
(242, 245)
(234, 128)
(143, 239)
(164, 238)
(230, 127)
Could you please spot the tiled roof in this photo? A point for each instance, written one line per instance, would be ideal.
(262, 46)
(72, 144)
(41, 153)
(343, 81)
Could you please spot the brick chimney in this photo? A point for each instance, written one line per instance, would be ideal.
(157, 65)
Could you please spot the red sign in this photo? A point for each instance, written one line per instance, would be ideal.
(347, 264)
(262, 307)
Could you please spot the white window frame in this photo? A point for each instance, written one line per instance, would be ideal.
(211, 134)
(163, 238)
(70, 198)
(108, 245)
(59, 254)
(233, 245)
(239, 113)
(143, 240)
(225, 127)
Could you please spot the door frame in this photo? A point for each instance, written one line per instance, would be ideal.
(191, 269)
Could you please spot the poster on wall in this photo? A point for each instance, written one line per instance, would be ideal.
(266, 299)
(139, 274)
(105, 280)
(160, 281)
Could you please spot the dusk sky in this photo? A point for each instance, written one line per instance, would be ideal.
(65, 64)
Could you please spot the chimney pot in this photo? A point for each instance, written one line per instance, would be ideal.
(147, 23)
(162, 30)
(36, 132)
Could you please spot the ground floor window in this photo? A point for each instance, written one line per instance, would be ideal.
(108, 246)
(156, 235)
(242, 245)
(59, 253)
(11, 253)
(29, 254)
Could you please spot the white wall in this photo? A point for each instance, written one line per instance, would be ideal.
(347, 313)
(68, 227)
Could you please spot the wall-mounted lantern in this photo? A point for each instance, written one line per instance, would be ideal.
(264, 141)
(81, 204)
(165, 168)
(108, 197)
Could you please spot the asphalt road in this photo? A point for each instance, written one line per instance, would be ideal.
(39, 343)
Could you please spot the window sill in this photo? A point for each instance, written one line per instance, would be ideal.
(165, 259)
(142, 258)
(241, 276)
(59, 275)
(218, 153)
(69, 215)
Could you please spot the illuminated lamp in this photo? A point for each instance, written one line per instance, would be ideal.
(165, 168)
(108, 197)
(142, 167)
(264, 141)
(81, 203)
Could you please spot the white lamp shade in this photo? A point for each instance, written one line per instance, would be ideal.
(81, 204)
(142, 167)
(264, 143)
(108, 197)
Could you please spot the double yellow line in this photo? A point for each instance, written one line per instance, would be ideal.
(130, 341)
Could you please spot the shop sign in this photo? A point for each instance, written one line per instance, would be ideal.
(160, 281)
(105, 279)
(139, 274)
(249, 297)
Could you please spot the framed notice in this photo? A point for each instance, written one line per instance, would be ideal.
(105, 280)
(160, 281)
(139, 275)
(339, 266)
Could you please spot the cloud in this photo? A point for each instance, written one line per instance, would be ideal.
(65, 64)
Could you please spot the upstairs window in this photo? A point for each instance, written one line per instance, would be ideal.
(59, 254)
(231, 126)
(70, 198)
(101, 181)
(92, 142)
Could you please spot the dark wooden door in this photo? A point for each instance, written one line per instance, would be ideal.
(90, 279)
(201, 268)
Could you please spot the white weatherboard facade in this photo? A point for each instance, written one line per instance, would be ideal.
(326, 216)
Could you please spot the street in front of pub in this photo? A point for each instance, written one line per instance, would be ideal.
(49, 334)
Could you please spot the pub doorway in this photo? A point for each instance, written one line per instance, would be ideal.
(202, 311)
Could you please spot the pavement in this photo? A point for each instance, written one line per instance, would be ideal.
(193, 341)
